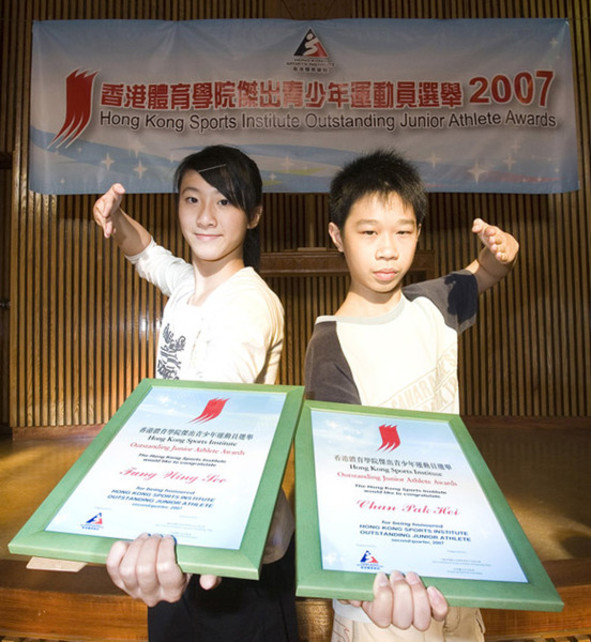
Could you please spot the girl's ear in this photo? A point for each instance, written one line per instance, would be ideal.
(335, 235)
(254, 221)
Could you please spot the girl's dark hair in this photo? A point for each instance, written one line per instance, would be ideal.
(237, 177)
(383, 172)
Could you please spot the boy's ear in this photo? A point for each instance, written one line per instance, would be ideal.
(335, 235)
(256, 218)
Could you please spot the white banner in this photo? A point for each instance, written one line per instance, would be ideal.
(478, 105)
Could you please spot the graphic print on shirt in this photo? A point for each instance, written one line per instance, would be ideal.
(435, 391)
(170, 358)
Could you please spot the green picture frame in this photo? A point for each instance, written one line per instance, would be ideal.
(312, 580)
(34, 538)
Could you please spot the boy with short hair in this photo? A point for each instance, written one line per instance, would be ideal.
(396, 347)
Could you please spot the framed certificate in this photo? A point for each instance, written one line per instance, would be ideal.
(382, 490)
(200, 461)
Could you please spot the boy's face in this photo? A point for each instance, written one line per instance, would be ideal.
(379, 240)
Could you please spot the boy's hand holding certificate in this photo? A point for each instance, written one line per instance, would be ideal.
(413, 493)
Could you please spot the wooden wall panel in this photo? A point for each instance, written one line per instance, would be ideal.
(83, 327)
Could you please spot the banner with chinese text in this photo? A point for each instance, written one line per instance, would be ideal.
(478, 105)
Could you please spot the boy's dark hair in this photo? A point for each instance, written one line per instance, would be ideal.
(237, 177)
(382, 172)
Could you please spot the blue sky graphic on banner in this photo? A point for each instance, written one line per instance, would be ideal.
(478, 105)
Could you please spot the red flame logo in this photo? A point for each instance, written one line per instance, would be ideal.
(212, 410)
(390, 438)
(78, 107)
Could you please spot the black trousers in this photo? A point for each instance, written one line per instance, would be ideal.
(237, 610)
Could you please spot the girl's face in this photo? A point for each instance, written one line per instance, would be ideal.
(211, 225)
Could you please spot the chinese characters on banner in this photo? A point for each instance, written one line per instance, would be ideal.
(477, 105)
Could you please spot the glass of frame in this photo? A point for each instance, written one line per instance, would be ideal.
(200, 461)
(379, 489)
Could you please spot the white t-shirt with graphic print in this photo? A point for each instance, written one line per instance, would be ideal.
(235, 336)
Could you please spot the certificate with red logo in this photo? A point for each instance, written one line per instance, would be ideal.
(202, 462)
(407, 491)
